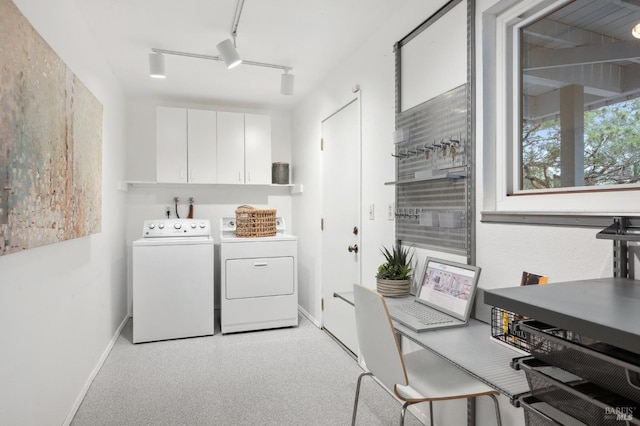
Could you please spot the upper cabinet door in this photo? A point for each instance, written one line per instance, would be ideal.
(257, 148)
(230, 153)
(201, 131)
(171, 145)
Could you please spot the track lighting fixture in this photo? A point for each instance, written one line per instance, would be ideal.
(636, 31)
(286, 83)
(156, 65)
(229, 54)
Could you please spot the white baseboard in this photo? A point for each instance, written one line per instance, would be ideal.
(94, 373)
(308, 316)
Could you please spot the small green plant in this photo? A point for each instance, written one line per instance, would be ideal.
(397, 265)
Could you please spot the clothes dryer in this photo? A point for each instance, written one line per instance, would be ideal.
(259, 279)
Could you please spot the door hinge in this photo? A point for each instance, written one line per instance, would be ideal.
(322, 304)
(321, 144)
(322, 224)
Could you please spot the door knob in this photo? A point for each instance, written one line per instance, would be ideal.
(353, 248)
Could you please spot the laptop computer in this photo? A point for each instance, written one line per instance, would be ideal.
(444, 296)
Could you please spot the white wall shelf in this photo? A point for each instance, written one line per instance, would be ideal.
(125, 185)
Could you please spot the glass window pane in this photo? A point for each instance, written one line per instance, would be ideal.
(580, 99)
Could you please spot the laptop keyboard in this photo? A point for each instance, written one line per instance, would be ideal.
(425, 316)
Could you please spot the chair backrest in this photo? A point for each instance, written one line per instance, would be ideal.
(377, 338)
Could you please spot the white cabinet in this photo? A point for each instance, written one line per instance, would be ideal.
(230, 147)
(257, 149)
(201, 146)
(171, 144)
(244, 148)
(185, 145)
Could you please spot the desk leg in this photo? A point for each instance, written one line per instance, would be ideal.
(471, 412)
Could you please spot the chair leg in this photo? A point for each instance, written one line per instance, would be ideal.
(404, 411)
(497, 406)
(355, 404)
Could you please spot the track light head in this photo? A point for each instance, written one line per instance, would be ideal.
(229, 53)
(156, 65)
(636, 31)
(286, 83)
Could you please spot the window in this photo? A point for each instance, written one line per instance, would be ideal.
(560, 106)
(580, 97)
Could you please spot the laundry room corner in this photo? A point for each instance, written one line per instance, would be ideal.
(148, 199)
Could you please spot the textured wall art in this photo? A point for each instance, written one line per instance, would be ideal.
(50, 143)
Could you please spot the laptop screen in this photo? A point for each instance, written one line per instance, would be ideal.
(449, 286)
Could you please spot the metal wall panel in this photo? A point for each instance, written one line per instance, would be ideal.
(432, 179)
(434, 142)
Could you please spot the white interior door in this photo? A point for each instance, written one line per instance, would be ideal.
(341, 219)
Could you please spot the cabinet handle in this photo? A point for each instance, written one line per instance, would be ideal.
(260, 265)
(239, 176)
(249, 175)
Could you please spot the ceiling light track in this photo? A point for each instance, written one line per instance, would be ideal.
(236, 20)
(228, 54)
(219, 58)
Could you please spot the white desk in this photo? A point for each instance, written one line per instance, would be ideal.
(470, 349)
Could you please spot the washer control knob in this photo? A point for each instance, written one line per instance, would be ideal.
(202, 225)
(161, 226)
(152, 225)
(177, 225)
(193, 226)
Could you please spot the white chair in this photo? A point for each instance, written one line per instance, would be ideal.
(419, 376)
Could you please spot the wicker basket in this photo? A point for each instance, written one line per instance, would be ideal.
(252, 222)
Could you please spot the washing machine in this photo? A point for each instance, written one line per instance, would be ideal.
(173, 267)
(258, 278)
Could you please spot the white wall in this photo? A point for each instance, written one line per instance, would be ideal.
(372, 68)
(61, 304)
(211, 201)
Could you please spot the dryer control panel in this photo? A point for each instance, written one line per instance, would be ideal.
(171, 228)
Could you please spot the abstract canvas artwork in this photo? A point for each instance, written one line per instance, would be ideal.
(50, 142)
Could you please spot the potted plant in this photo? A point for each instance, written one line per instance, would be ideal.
(395, 275)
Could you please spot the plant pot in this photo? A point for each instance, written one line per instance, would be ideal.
(393, 288)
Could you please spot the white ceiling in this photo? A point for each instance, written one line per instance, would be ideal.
(312, 36)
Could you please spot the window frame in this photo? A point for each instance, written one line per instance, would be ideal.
(502, 190)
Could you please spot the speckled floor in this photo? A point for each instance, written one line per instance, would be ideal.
(288, 376)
